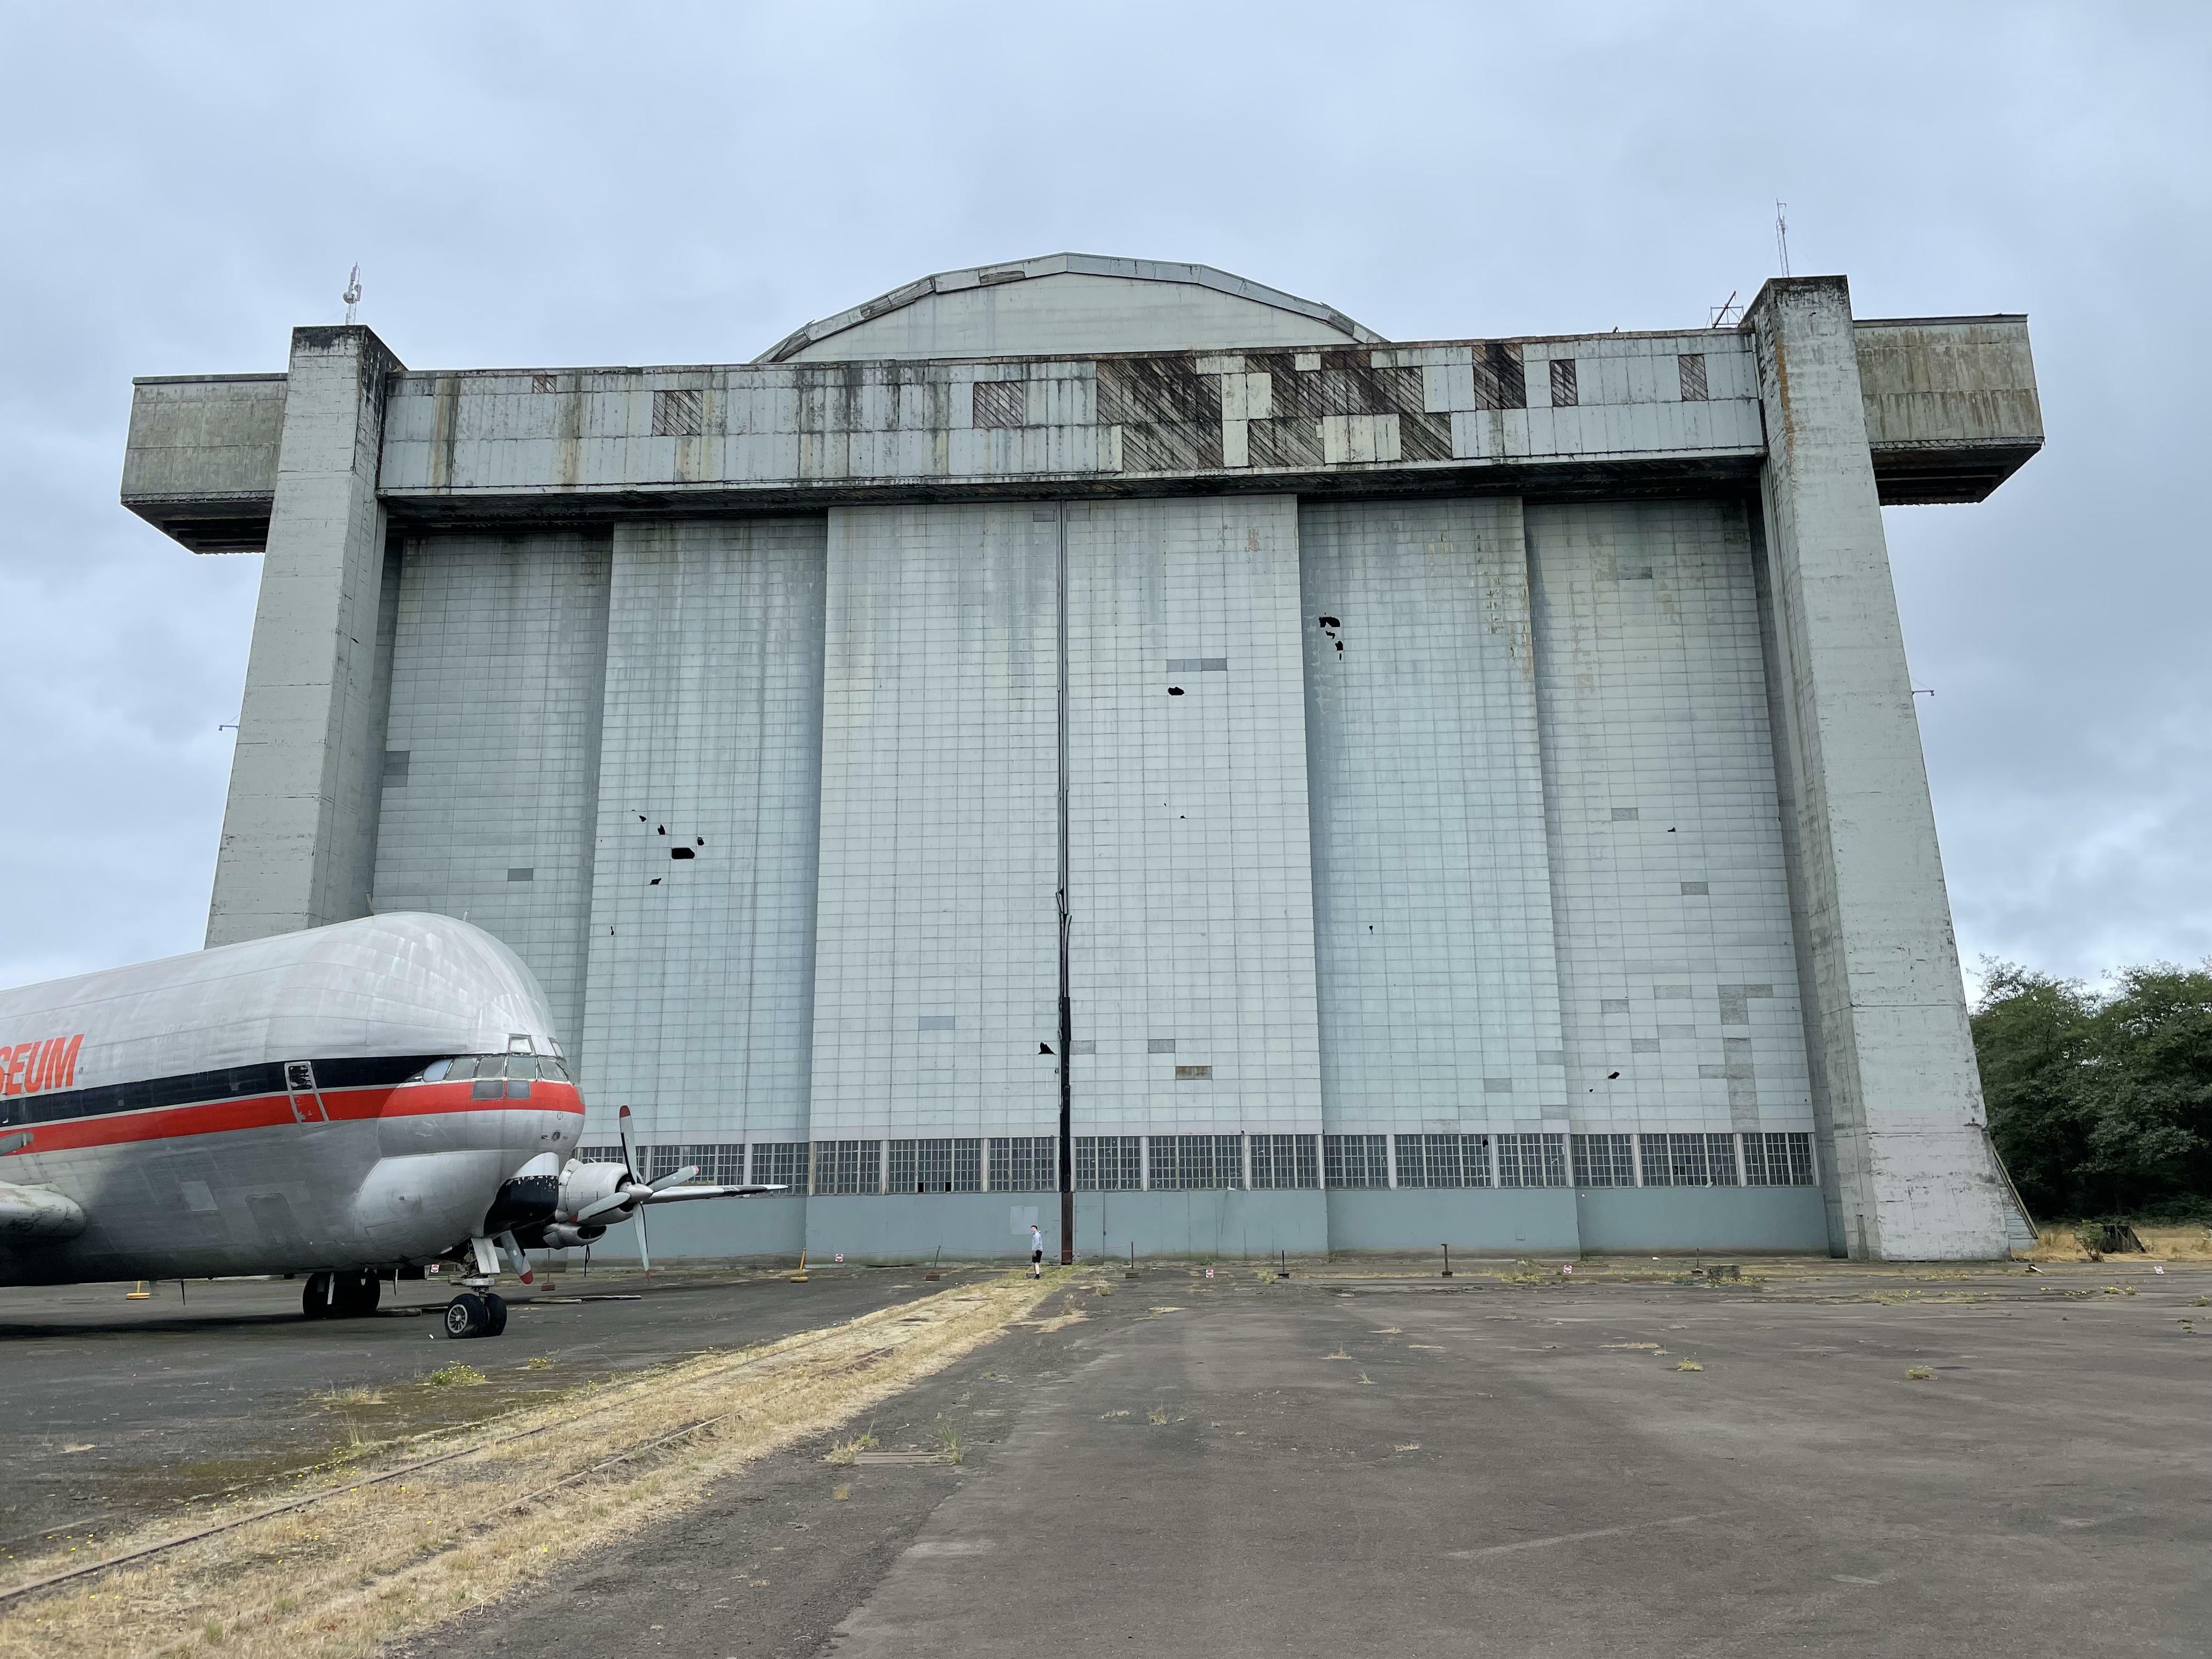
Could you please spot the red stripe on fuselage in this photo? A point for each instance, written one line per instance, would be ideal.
(267, 1111)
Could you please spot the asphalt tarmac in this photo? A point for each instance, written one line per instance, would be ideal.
(1241, 1467)
(117, 1410)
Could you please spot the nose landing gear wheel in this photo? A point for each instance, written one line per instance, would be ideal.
(467, 1315)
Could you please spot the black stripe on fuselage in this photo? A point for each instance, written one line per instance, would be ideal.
(197, 1088)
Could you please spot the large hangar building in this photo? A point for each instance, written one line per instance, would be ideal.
(1460, 791)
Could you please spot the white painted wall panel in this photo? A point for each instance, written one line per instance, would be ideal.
(699, 1010)
(1432, 910)
(496, 670)
(1191, 869)
(1658, 779)
(940, 825)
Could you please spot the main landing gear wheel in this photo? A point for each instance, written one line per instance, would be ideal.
(315, 1297)
(472, 1314)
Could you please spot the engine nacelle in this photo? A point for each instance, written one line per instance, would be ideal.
(585, 1184)
(38, 1213)
(563, 1236)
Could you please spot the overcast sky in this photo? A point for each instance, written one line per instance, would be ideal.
(540, 185)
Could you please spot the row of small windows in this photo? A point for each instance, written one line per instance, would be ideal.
(492, 1077)
(1031, 1164)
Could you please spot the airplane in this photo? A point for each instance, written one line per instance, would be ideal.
(352, 1102)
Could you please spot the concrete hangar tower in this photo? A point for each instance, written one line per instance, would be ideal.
(1468, 790)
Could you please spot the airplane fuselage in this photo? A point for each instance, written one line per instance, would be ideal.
(348, 1099)
(358, 1174)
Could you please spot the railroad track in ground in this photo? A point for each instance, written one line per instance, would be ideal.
(715, 1375)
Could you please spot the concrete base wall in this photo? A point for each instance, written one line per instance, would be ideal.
(1781, 1220)
(911, 1226)
(1500, 1223)
(1236, 1225)
(1219, 1223)
(738, 1229)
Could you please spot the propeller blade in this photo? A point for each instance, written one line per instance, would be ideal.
(628, 1144)
(674, 1178)
(514, 1252)
(615, 1200)
(644, 1247)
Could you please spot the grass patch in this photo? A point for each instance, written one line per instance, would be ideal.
(457, 1376)
(339, 1399)
(1918, 1374)
(372, 1563)
(845, 1451)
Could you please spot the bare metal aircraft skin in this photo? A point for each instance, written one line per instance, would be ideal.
(349, 1102)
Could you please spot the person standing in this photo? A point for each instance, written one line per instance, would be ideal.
(1037, 1252)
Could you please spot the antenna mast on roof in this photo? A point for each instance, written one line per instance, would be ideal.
(1781, 234)
(352, 295)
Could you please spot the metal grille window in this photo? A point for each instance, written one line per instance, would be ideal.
(780, 1164)
(1777, 1160)
(677, 414)
(1024, 1164)
(1110, 1163)
(1692, 365)
(1564, 392)
(1604, 1161)
(1536, 1160)
(842, 1167)
(1444, 1160)
(1279, 1161)
(1001, 403)
(1356, 1160)
(936, 1166)
(1194, 1163)
(721, 1164)
(1689, 1160)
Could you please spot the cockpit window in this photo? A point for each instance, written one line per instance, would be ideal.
(464, 1068)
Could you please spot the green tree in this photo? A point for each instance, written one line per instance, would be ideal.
(2099, 1103)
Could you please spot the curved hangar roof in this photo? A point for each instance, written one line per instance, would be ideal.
(1070, 304)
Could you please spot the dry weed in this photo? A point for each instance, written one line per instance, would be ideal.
(332, 1400)
(370, 1564)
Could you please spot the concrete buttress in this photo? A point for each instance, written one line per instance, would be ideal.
(302, 804)
(1891, 1057)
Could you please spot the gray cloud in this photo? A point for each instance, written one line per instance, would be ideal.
(525, 184)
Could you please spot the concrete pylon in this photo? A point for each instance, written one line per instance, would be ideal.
(299, 827)
(1895, 1087)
